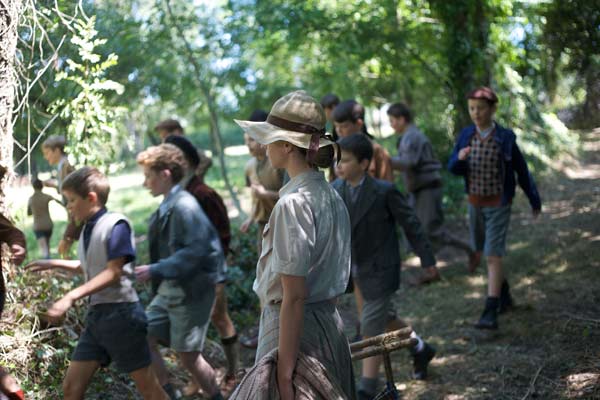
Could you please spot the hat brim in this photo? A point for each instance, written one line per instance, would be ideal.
(266, 133)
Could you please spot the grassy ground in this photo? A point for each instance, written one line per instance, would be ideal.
(548, 348)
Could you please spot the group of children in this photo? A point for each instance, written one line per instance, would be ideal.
(189, 236)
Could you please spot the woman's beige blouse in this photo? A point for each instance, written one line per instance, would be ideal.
(308, 235)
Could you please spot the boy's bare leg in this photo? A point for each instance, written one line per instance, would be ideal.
(495, 275)
(147, 384)
(78, 378)
(202, 372)
(222, 322)
(44, 247)
(158, 364)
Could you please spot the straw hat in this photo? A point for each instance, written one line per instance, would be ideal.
(295, 118)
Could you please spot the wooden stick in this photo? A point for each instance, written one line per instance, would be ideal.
(383, 348)
(399, 334)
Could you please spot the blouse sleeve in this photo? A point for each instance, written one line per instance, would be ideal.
(293, 236)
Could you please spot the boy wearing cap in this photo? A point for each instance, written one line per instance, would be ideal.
(486, 155)
(172, 127)
(212, 204)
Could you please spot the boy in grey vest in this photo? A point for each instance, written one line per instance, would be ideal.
(115, 322)
(375, 208)
(185, 252)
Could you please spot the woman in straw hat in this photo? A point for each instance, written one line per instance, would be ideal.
(305, 260)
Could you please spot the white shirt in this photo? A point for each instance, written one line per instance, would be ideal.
(308, 234)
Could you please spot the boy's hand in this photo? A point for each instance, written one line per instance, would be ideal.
(245, 225)
(464, 153)
(258, 190)
(38, 266)
(18, 253)
(142, 273)
(56, 313)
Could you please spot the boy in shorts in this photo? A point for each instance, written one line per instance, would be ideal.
(185, 254)
(115, 324)
(42, 222)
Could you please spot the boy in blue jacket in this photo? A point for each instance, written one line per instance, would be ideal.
(486, 155)
(185, 252)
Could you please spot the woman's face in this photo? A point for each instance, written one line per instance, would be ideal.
(277, 154)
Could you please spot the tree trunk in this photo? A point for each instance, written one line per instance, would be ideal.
(215, 131)
(9, 17)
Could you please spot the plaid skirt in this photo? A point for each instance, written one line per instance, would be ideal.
(322, 338)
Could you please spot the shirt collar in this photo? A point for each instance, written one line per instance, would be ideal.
(486, 132)
(300, 180)
(96, 217)
(166, 203)
(362, 180)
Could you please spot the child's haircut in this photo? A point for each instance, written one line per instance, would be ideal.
(37, 184)
(330, 100)
(357, 144)
(169, 125)
(348, 110)
(483, 93)
(86, 180)
(400, 110)
(55, 142)
(164, 157)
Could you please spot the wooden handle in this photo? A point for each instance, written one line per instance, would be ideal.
(383, 348)
(400, 334)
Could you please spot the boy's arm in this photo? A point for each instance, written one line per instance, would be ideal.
(53, 183)
(406, 217)
(525, 179)
(193, 249)
(409, 154)
(455, 164)
(43, 265)
(111, 275)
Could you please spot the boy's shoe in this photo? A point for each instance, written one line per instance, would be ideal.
(506, 301)
(489, 317)
(421, 360)
(429, 275)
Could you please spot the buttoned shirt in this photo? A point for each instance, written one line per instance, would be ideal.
(308, 234)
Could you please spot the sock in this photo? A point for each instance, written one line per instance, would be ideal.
(170, 390)
(368, 385)
(420, 343)
(492, 302)
(231, 347)
(18, 395)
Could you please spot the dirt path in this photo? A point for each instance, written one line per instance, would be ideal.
(549, 347)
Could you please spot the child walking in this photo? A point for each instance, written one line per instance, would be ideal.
(487, 156)
(185, 254)
(115, 323)
(376, 207)
(37, 206)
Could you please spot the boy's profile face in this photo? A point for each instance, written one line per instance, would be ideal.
(254, 148)
(481, 112)
(399, 124)
(348, 127)
(81, 208)
(52, 155)
(350, 168)
(157, 182)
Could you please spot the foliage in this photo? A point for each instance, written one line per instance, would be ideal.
(91, 121)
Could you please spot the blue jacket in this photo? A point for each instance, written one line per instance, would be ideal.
(184, 245)
(512, 162)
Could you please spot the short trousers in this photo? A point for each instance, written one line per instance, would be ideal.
(43, 234)
(115, 332)
(488, 227)
(376, 314)
(179, 323)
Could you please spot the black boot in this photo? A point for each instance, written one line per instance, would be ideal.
(506, 301)
(488, 319)
(421, 360)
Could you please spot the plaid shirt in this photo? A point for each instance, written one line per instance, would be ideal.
(484, 167)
